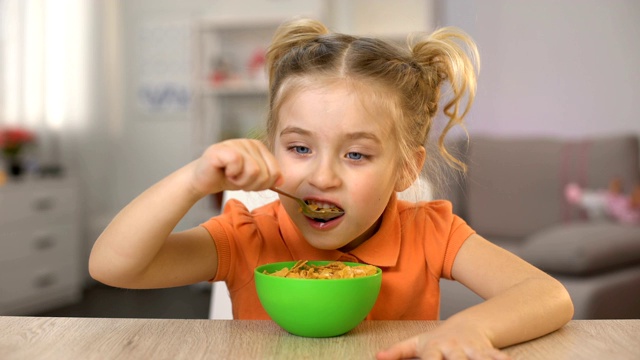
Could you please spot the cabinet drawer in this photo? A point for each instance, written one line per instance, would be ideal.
(35, 202)
(37, 275)
(26, 241)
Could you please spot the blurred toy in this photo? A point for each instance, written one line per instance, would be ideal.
(222, 71)
(256, 66)
(603, 204)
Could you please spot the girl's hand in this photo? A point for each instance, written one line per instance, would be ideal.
(445, 342)
(238, 164)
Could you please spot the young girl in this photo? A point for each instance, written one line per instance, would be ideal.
(348, 124)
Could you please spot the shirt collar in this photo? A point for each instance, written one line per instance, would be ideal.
(382, 249)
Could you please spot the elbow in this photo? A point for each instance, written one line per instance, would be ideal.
(570, 310)
(563, 303)
(101, 271)
(97, 271)
(105, 275)
(98, 264)
(107, 270)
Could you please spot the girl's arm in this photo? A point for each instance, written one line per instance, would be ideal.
(138, 248)
(522, 303)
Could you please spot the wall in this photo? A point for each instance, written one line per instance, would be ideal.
(556, 68)
(152, 142)
(141, 145)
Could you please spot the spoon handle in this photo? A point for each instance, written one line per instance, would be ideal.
(286, 194)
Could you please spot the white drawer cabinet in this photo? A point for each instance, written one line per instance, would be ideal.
(40, 247)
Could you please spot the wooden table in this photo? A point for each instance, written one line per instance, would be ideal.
(90, 338)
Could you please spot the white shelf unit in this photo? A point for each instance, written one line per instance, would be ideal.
(40, 248)
(233, 108)
(230, 104)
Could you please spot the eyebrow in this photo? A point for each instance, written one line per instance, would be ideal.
(364, 135)
(295, 130)
(350, 136)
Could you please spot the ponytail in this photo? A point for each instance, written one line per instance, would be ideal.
(449, 55)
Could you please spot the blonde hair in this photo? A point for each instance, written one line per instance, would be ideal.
(407, 81)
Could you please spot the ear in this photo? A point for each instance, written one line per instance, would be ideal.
(410, 172)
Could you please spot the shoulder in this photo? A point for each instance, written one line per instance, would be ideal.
(239, 234)
(435, 205)
(434, 210)
(237, 215)
(434, 227)
(235, 208)
(432, 217)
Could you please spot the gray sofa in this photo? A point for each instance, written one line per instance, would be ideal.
(513, 196)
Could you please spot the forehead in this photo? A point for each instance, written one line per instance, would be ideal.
(365, 106)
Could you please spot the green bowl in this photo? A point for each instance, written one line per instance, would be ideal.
(316, 308)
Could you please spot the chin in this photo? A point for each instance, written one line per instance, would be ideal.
(324, 245)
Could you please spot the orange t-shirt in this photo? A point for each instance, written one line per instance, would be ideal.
(415, 246)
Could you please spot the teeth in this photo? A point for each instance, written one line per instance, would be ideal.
(321, 205)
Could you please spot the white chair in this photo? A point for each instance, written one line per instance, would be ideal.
(220, 304)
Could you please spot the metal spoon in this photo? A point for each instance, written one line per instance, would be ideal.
(323, 214)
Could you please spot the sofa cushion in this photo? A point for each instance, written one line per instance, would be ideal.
(583, 248)
(515, 185)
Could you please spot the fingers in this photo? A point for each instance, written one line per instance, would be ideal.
(403, 350)
(244, 164)
(413, 348)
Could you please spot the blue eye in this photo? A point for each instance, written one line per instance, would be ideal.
(355, 156)
(301, 149)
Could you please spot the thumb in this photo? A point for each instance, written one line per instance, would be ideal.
(402, 350)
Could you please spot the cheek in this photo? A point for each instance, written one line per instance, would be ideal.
(291, 172)
(286, 167)
(370, 190)
(377, 181)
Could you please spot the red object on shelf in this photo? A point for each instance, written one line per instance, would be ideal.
(257, 61)
(12, 139)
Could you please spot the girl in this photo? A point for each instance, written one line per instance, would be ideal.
(348, 123)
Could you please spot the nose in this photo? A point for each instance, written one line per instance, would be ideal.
(325, 174)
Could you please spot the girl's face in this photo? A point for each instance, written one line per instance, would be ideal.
(333, 151)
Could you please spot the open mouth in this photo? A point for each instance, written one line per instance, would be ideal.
(325, 211)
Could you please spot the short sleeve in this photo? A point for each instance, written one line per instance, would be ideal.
(445, 233)
(221, 229)
(241, 237)
(460, 231)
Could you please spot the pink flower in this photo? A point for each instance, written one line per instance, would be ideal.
(13, 139)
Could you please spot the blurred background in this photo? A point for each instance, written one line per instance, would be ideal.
(104, 98)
